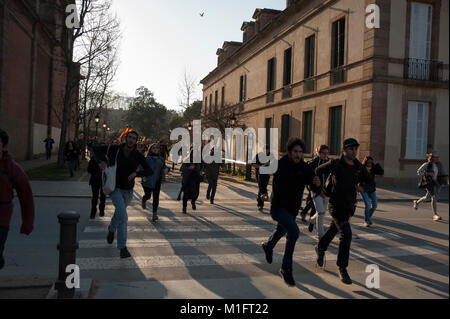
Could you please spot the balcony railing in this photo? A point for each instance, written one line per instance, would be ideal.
(338, 76)
(287, 92)
(425, 70)
(270, 97)
(309, 85)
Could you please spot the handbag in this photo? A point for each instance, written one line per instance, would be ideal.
(109, 175)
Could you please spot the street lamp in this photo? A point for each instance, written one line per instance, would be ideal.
(104, 131)
(232, 120)
(97, 119)
(190, 127)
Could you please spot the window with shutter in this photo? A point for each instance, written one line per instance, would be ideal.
(284, 132)
(335, 130)
(287, 67)
(416, 130)
(268, 127)
(309, 56)
(307, 131)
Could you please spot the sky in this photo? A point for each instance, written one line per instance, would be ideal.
(163, 38)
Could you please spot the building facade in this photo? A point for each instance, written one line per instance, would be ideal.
(32, 75)
(320, 71)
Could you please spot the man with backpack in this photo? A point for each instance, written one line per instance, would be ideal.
(127, 159)
(12, 177)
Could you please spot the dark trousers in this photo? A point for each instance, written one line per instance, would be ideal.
(148, 194)
(263, 181)
(3, 235)
(96, 192)
(212, 187)
(286, 225)
(48, 153)
(341, 224)
(309, 206)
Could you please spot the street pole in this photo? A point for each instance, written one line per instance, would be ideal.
(96, 129)
(67, 247)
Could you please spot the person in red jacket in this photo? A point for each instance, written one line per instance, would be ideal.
(12, 176)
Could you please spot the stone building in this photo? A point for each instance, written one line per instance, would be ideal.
(319, 71)
(32, 75)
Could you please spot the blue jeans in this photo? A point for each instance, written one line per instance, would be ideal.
(72, 165)
(121, 199)
(286, 225)
(368, 212)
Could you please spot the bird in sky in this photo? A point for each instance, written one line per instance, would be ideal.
(202, 14)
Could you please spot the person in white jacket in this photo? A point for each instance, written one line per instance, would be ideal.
(433, 177)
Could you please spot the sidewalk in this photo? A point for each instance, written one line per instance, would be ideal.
(35, 163)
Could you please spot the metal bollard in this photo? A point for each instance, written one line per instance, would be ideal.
(67, 247)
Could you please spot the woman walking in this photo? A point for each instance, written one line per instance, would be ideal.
(191, 178)
(433, 177)
(369, 187)
(71, 154)
(152, 184)
(96, 186)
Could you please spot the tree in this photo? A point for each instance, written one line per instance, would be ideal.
(187, 90)
(93, 23)
(193, 112)
(148, 117)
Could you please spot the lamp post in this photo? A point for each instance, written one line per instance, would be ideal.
(97, 119)
(233, 124)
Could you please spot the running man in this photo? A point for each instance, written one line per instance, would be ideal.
(347, 175)
(128, 160)
(288, 184)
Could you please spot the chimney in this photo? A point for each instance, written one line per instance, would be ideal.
(220, 56)
(263, 17)
(249, 29)
(230, 47)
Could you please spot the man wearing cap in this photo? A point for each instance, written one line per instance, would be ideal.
(433, 176)
(347, 173)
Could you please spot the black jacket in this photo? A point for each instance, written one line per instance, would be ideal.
(191, 180)
(316, 162)
(95, 171)
(71, 155)
(343, 182)
(289, 184)
(125, 165)
(370, 185)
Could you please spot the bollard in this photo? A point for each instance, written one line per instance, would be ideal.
(67, 247)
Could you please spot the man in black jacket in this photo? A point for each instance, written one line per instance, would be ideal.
(128, 160)
(347, 173)
(263, 180)
(288, 184)
(96, 186)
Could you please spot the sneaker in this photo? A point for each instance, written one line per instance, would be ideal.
(124, 253)
(269, 253)
(93, 212)
(287, 277)
(415, 204)
(345, 278)
(437, 218)
(370, 222)
(102, 213)
(311, 227)
(320, 256)
(366, 224)
(260, 208)
(155, 217)
(207, 196)
(2, 262)
(194, 207)
(211, 201)
(184, 210)
(144, 204)
(110, 238)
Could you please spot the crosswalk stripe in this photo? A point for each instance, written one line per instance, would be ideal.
(197, 242)
(182, 229)
(189, 218)
(103, 263)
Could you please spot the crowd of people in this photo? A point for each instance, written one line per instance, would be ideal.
(333, 185)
